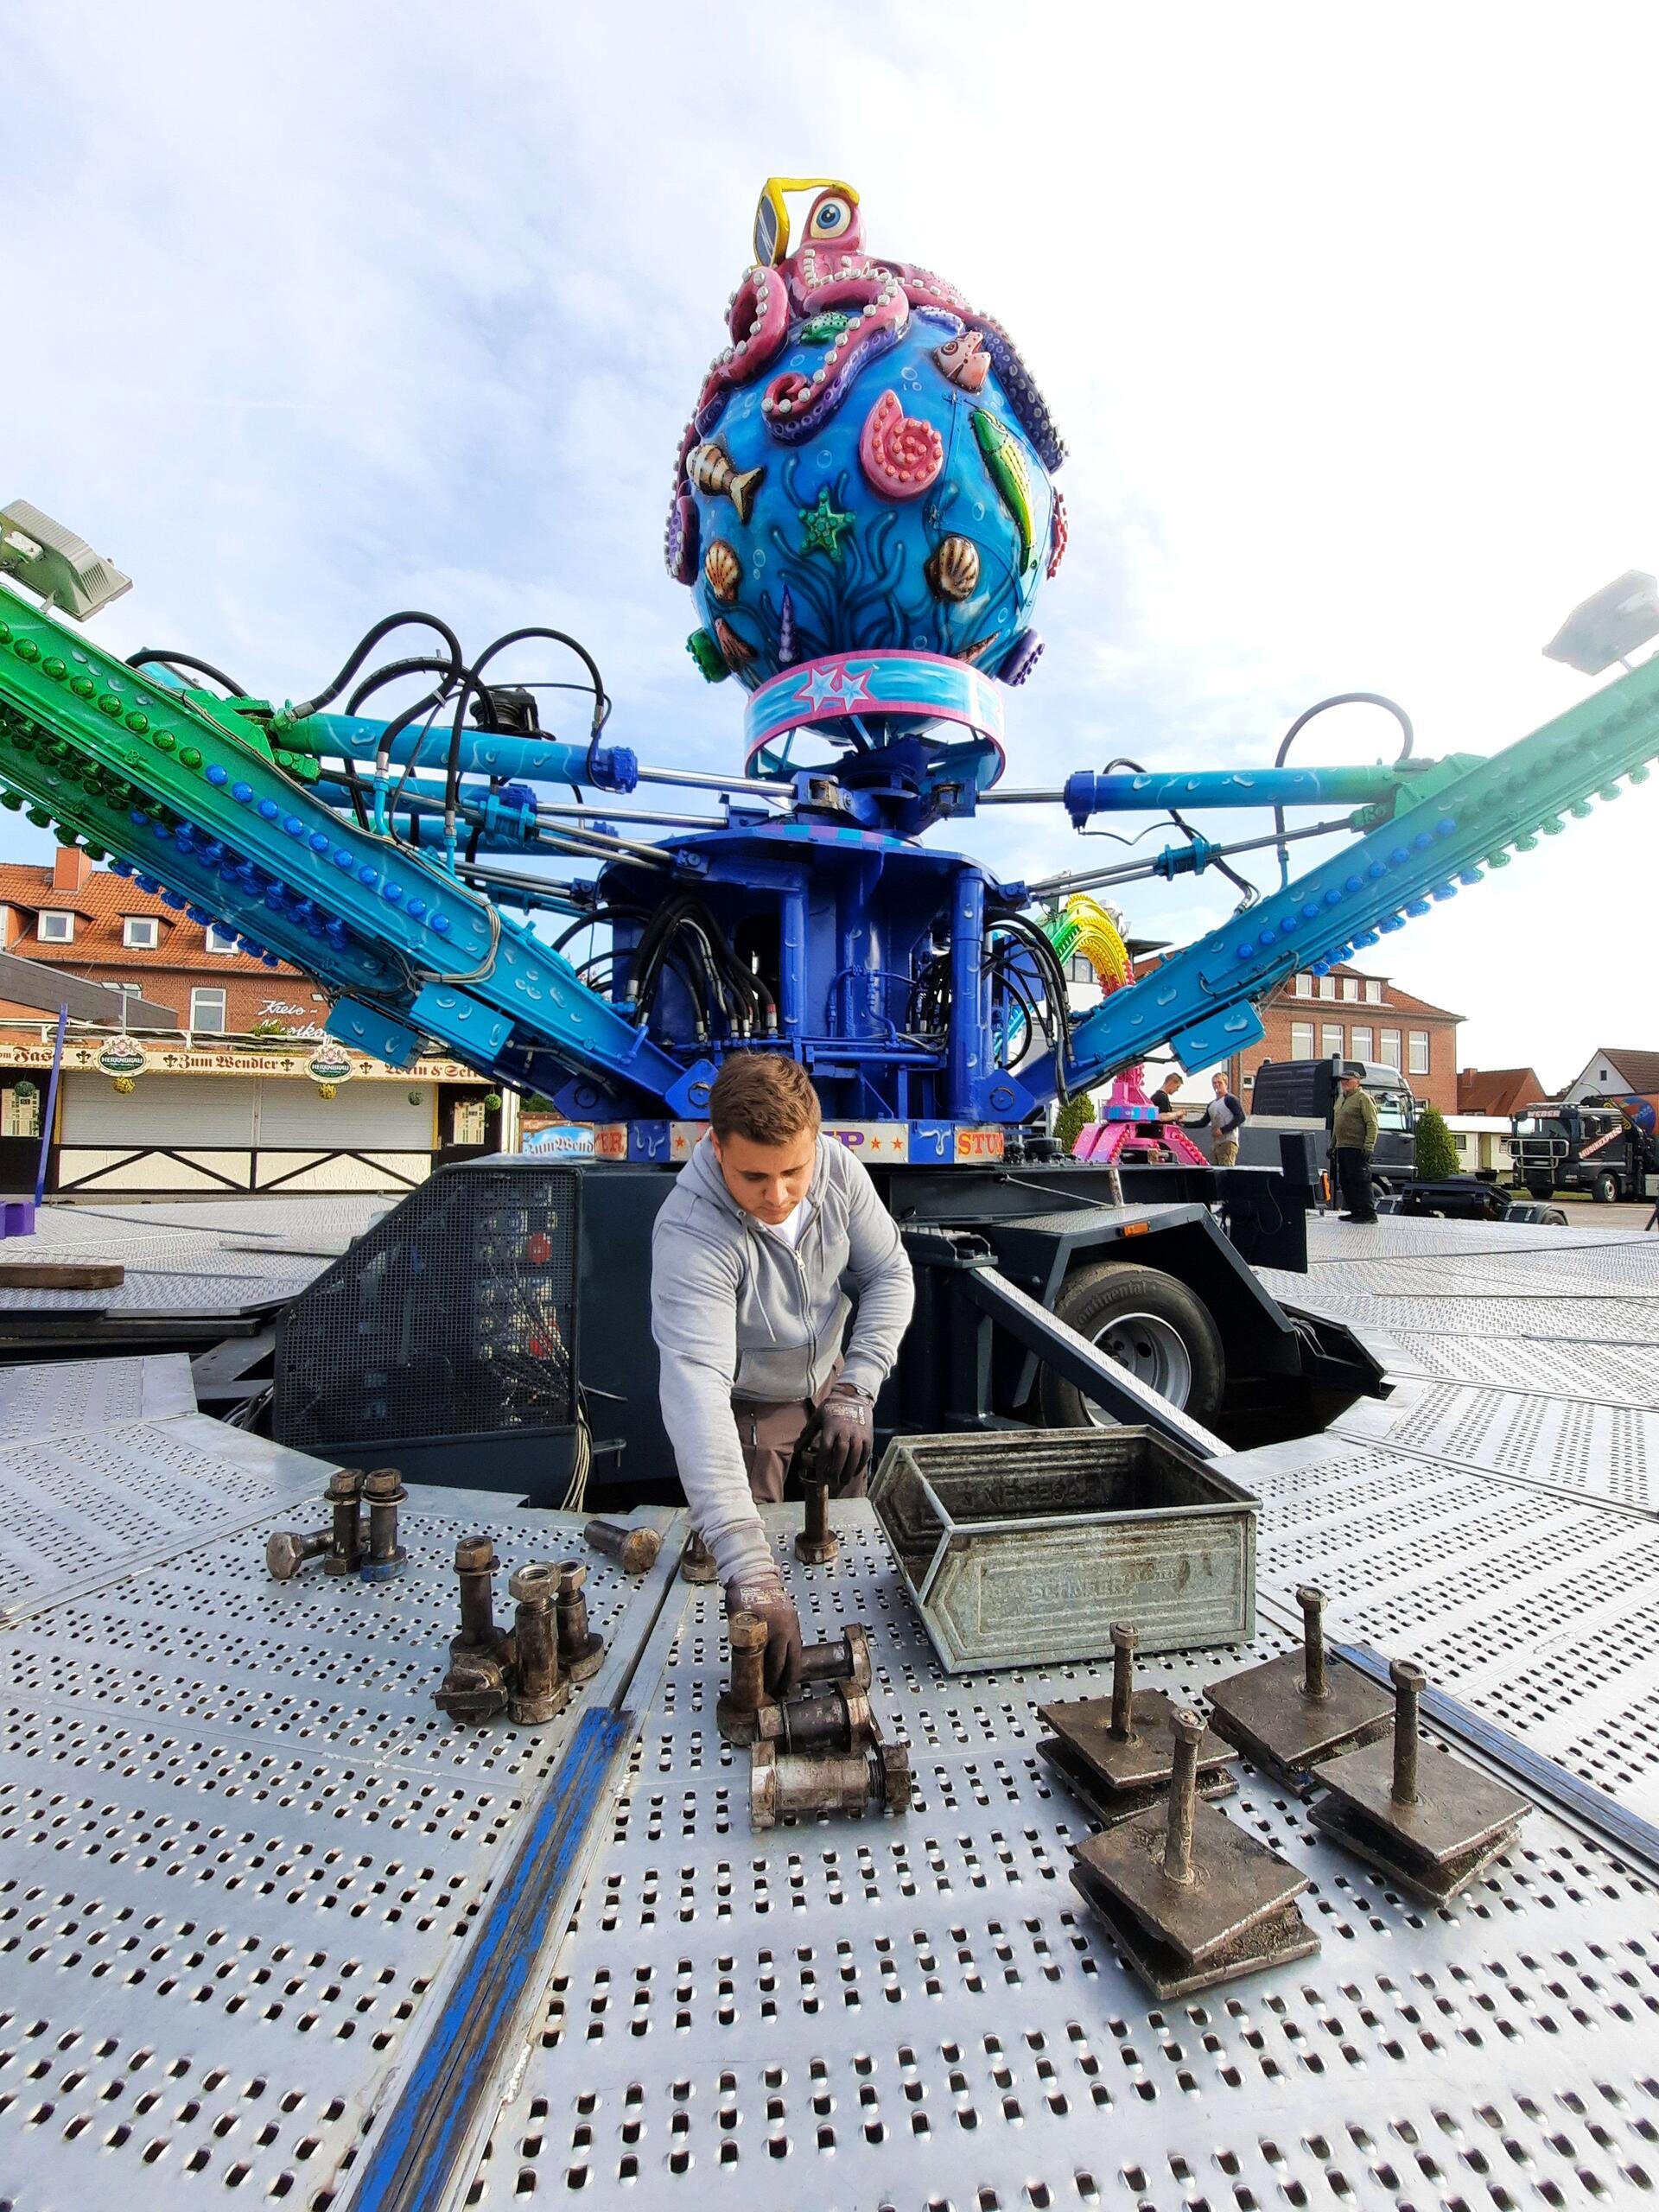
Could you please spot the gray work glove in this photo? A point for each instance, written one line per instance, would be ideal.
(846, 1439)
(765, 1597)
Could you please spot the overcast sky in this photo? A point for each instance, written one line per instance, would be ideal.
(1346, 315)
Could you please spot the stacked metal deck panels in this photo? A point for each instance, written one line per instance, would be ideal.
(245, 1869)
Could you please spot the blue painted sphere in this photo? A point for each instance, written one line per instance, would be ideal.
(800, 554)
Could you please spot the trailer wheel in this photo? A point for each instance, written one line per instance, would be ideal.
(1540, 1190)
(1605, 1190)
(1148, 1323)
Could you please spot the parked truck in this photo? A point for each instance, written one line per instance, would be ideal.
(1301, 1095)
(1604, 1144)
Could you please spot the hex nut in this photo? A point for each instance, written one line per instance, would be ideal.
(534, 1584)
(895, 1777)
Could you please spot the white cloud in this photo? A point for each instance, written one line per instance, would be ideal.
(1344, 317)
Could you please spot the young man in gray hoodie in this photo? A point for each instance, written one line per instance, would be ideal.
(766, 1222)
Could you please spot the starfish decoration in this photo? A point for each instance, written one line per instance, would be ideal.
(821, 689)
(823, 525)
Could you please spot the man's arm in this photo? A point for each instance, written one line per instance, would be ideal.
(879, 1272)
(693, 1286)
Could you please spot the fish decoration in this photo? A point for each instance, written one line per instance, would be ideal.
(952, 568)
(1005, 460)
(963, 361)
(977, 651)
(737, 652)
(900, 454)
(710, 469)
(724, 571)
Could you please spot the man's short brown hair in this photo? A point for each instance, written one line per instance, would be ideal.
(762, 1096)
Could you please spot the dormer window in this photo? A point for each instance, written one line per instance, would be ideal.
(143, 932)
(221, 940)
(56, 929)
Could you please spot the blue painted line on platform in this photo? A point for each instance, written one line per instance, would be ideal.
(409, 2166)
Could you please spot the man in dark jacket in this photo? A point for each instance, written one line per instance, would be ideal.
(1353, 1140)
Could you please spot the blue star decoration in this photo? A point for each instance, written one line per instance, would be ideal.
(823, 525)
(833, 687)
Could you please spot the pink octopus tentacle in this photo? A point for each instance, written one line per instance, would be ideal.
(795, 406)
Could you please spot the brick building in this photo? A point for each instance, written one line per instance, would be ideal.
(1498, 1093)
(246, 1093)
(1363, 1017)
(101, 926)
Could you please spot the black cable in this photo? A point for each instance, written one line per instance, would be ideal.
(148, 656)
(1337, 699)
(366, 645)
(471, 679)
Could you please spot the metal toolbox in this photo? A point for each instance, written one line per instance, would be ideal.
(1022, 1547)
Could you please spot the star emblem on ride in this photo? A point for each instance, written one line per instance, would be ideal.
(833, 687)
(823, 525)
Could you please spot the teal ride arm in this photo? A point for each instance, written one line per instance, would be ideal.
(182, 799)
(1088, 793)
(1458, 817)
(546, 759)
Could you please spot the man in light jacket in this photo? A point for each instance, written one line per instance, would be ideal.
(766, 1222)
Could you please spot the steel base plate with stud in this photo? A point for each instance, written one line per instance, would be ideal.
(1189, 1899)
(1118, 1754)
(1293, 1712)
(1430, 1824)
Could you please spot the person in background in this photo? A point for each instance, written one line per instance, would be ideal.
(1226, 1118)
(1353, 1140)
(1165, 1104)
(769, 1224)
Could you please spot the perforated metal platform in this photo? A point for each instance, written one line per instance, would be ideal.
(241, 1857)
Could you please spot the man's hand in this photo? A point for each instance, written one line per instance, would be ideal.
(846, 1439)
(765, 1598)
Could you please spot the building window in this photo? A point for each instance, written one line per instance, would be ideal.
(141, 931)
(1373, 991)
(57, 929)
(1350, 987)
(1417, 1053)
(1303, 987)
(1331, 1040)
(1327, 986)
(1390, 1048)
(1301, 1041)
(221, 940)
(1363, 1041)
(1083, 971)
(207, 1010)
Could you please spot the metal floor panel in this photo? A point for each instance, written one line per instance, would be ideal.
(1394, 1236)
(238, 1848)
(1609, 1374)
(62, 1395)
(1568, 1319)
(342, 1215)
(922, 2013)
(1606, 1451)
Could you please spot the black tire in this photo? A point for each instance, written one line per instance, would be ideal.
(1605, 1190)
(1092, 1298)
(1541, 1190)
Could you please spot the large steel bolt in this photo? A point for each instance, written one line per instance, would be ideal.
(1124, 1641)
(580, 1648)
(697, 1561)
(475, 1567)
(286, 1552)
(633, 1549)
(1183, 1797)
(384, 1491)
(536, 1691)
(345, 1539)
(1312, 1605)
(817, 1545)
(1410, 1682)
(847, 1660)
(737, 1715)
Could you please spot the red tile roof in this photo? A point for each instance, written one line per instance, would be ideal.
(1498, 1091)
(101, 905)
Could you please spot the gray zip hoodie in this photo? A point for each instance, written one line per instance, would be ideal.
(734, 1311)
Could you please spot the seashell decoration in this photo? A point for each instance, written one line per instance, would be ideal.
(952, 568)
(724, 570)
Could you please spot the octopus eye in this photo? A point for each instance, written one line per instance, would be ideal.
(831, 215)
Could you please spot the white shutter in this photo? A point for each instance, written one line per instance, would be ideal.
(359, 1117)
(181, 1112)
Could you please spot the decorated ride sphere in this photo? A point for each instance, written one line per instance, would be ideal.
(868, 472)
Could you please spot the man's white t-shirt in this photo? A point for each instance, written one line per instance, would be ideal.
(790, 1228)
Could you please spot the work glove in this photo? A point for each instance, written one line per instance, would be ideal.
(765, 1597)
(846, 1439)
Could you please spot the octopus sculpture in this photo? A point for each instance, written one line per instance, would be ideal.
(868, 469)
